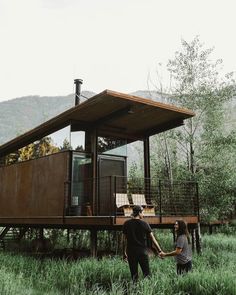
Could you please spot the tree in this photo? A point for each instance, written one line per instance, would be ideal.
(40, 148)
(203, 141)
(198, 86)
(65, 145)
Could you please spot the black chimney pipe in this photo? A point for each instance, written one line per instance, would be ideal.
(78, 83)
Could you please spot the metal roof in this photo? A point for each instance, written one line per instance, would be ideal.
(112, 114)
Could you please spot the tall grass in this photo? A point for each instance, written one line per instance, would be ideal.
(214, 272)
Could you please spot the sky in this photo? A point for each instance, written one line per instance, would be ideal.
(110, 44)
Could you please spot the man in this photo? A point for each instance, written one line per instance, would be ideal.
(136, 233)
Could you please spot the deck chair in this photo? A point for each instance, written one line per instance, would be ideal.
(148, 209)
(123, 205)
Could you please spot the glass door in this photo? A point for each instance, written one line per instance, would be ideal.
(81, 189)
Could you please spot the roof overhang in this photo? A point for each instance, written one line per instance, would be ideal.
(111, 114)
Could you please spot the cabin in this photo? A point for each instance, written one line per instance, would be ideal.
(89, 188)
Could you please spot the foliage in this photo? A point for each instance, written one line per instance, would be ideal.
(213, 273)
(39, 148)
(42, 147)
(202, 150)
(216, 176)
(65, 145)
(135, 171)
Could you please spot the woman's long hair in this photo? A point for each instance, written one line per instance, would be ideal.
(183, 229)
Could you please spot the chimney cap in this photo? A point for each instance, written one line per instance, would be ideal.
(80, 81)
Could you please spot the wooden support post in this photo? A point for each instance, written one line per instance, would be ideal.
(74, 239)
(93, 242)
(198, 239)
(193, 239)
(210, 229)
(91, 142)
(174, 237)
(118, 243)
(94, 141)
(146, 151)
(41, 237)
(68, 235)
(147, 173)
(22, 232)
(38, 244)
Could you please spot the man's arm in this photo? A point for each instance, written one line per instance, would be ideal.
(157, 246)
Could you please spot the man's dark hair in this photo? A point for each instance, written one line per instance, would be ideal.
(136, 210)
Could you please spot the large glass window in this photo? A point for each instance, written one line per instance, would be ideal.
(61, 138)
(81, 179)
(78, 140)
(65, 139)
(112, 146)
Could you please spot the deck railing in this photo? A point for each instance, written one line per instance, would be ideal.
(176, 198)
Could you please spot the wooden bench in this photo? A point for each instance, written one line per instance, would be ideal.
(148, 209)
(122, 203)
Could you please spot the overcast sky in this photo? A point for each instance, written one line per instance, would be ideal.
(110, 44)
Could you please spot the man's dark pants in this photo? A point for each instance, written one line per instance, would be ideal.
(135, 259)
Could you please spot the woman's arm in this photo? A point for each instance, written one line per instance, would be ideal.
(177, 251)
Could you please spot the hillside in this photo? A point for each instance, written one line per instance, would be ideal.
(22, 114)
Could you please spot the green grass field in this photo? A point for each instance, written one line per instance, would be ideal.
(214, 272)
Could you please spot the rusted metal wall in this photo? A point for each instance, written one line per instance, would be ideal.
(34, 188)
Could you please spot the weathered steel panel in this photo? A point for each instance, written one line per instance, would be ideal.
(34, 188)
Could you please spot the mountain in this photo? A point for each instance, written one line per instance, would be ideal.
(24, 113)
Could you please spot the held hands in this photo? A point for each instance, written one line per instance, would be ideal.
(162, 254)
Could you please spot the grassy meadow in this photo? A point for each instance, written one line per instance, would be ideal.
(214, 272)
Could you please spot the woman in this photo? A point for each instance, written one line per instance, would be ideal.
(183, 251)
